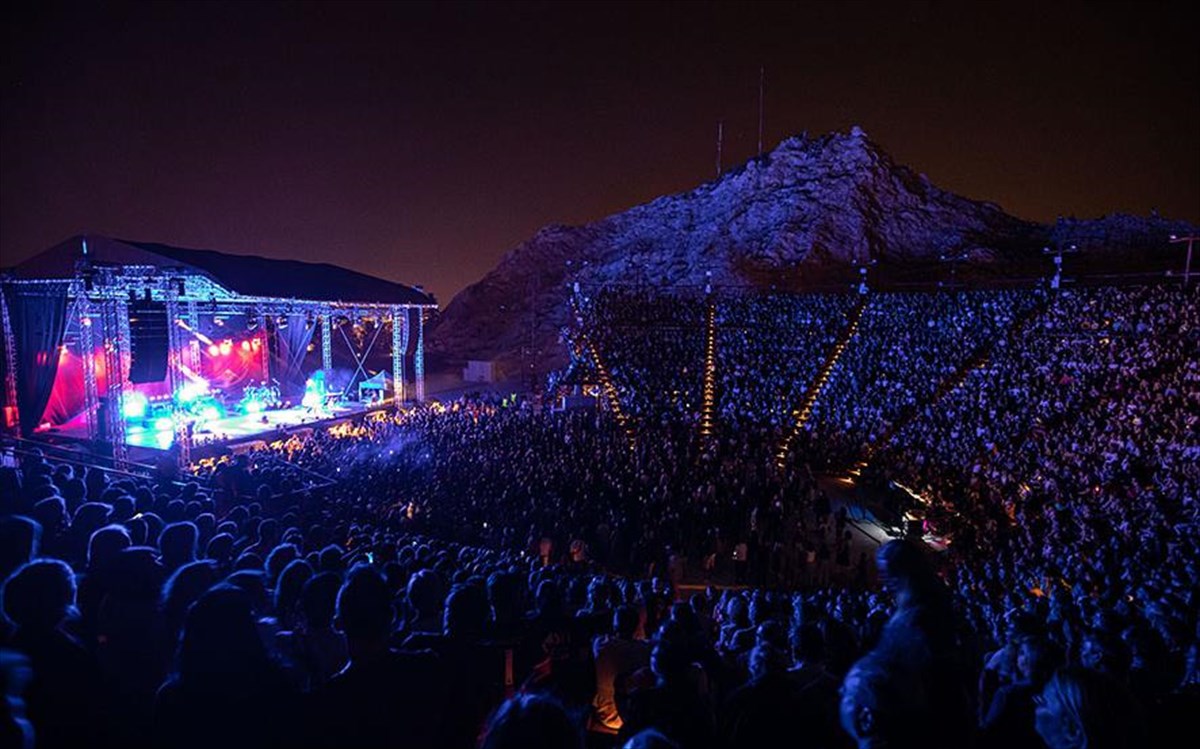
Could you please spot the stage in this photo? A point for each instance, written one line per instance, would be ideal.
(231, 430)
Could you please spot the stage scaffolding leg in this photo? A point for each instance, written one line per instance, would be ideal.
(266, 346)
(399, 322)
(87, 350)
(10, 360)
(115, 327)
(419, 356)
(327, 342)
(175, 377)
(193, 346)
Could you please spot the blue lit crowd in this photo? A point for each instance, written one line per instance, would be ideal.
(497, 575)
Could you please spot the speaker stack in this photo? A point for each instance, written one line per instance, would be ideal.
(147, 341)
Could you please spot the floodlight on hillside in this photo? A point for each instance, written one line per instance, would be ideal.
(1057, 279)
(1187, 266)
(954, 259)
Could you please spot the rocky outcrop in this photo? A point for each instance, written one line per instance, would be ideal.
(833, 199)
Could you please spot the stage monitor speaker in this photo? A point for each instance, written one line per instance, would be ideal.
(147, 341)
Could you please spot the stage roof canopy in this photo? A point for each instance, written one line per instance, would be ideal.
(247, 275)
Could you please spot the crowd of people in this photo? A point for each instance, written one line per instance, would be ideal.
(769, 348)
(907, 345)
(489, 574)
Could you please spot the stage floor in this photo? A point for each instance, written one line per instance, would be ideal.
(231, 429)
(242, 427)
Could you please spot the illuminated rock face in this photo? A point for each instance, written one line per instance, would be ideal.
(832, 199)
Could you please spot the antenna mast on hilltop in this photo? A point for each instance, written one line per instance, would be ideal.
(720, 137)
(762, 75)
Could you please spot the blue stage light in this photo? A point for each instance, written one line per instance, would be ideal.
(134, 406)
(192, 390)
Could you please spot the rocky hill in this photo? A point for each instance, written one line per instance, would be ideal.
(812, 202)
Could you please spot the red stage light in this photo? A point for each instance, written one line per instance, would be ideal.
(214, 349)
(245, 345)
(226, 347)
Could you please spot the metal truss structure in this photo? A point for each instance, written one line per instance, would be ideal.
(100, 296)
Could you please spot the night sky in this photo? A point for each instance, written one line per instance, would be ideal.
(420, 143)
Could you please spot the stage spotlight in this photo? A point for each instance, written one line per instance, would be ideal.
(283, 322)
(192, 390)
(164, 424)
(214, 350)
(246, 345)
(135, 405)
(226, 347)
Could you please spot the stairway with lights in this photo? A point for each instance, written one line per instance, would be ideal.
(978, 360)
(804, 411)
(708, 406)
(606, 384)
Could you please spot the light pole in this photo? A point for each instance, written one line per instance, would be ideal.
(954, 260)
(1187, 267)
(1056, 281)
(862, 275)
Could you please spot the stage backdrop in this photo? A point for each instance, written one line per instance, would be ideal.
(38, 315)
(288, 351)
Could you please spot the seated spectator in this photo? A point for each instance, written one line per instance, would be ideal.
(225, 690)
(616, 655)
(383, 697)
(883, 705)
(1009, 719)
(767, 706)
(65, 702)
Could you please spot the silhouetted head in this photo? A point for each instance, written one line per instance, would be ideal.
(183, 588)
(532, 722)
(904, 570)
(466, 612)
(882, 705)
(1037, 658)
(318, 600)
(178, 544)
(625, 622)
(650, 739)
(105, 544)
(51, 513)
(39, 595)
(766, 660)
(20, 538)
(548, 598)
(1104, 652)
(290, 583)
(1082, 709)
(426, 592)
(504, 596)
(279, 558)
(364, 606)
(220, 642)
